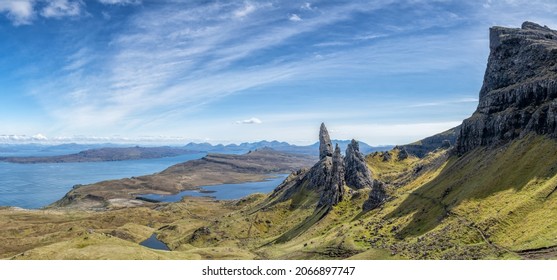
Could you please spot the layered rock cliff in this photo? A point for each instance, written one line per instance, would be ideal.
(519, 92)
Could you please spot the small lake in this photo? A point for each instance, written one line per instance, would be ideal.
(223, 191)
(153, 243)
(38, 185)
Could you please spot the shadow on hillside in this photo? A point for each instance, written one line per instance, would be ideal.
(477, 175)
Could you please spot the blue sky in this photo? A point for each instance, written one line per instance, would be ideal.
(384, 72)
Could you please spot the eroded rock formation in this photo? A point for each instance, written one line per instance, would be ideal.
(331, 174)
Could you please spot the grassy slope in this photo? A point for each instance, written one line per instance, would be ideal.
(505, 195)
(489, 203)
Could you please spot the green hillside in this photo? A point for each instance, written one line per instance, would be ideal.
(487, 204)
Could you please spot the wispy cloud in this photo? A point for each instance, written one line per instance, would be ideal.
(195, 65)
(250, 121)
(62, 8)
(163, 64)
(24, 12)
(120, 2)
(444, 102)
(247, 9)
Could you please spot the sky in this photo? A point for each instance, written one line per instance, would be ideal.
(383, 72)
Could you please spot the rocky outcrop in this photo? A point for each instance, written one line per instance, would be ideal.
(329, 176)
(377, 196)
(319, 178)
(519, 92)
(402, 153)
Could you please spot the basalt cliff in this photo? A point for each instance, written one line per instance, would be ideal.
(519, 92)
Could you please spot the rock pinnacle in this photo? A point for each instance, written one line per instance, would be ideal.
(325, 146)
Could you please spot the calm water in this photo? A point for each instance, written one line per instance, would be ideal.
(153, 243)
(224, 191)
(38, 185)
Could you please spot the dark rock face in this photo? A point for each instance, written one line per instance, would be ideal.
(386, 156)
(325, 146)
(358, 175)
(402, 153)
(376, 197)
(519, 92)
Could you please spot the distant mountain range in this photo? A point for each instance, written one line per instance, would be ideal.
(30, 153)
(278, 146)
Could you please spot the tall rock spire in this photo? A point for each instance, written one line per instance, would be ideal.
(325, 146)
(334, 188)
(358, 175)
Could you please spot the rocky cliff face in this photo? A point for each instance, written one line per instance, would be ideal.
(519, 92)
(331, 174)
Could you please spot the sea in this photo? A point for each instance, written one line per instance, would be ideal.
(35, 186)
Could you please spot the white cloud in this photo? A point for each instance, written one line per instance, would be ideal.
(61, 8)
(120, 2)
(250, 121)
(307, 6)
(295, 17)
(244, 11)
(19, 12)
(23, 12)
(39, 137)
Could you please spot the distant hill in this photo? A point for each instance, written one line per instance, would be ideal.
(444, 139)
(103, 154)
